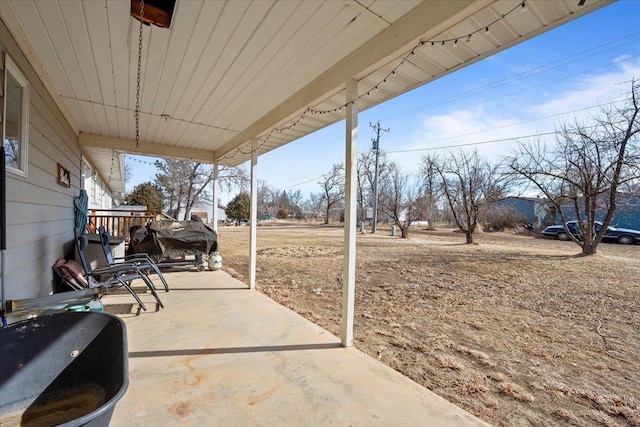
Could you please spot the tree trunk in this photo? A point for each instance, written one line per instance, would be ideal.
(588, 249)
(404, 232)
(469, 236)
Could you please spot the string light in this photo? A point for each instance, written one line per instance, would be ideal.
(434, 42)
(139, 161)
(113, 160)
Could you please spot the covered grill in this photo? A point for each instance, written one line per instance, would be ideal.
(170, 242)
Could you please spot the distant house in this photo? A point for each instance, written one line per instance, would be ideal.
(204, 209)
(534, 210)
(627, 213)
(540, 212)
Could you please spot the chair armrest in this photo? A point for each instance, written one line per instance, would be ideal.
(136, 258)
(114, 268)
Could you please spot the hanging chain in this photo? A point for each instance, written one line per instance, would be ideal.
(137, 112)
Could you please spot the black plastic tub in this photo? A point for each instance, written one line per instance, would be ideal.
(65, 369)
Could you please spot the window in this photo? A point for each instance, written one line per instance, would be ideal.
(16, 123)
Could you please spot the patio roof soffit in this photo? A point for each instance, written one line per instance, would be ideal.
(145, 148)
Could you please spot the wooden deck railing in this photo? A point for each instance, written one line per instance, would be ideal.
(118, 221)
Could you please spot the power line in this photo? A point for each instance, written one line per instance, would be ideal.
(525, 74)
(300, 183)
(519, 123)
(474, 133)
(469, 144)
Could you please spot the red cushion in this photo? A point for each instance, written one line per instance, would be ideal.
(74, 271)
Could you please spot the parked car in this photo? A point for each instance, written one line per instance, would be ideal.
(613, 234)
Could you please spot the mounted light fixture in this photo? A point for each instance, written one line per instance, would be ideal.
(156, 12)
(523, 7)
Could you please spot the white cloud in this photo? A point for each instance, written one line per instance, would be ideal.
(474, 127)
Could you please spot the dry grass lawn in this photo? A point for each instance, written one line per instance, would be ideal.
(517, 330)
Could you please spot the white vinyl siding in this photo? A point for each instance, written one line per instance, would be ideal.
(40, 215)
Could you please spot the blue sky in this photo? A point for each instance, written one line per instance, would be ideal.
(528, 89)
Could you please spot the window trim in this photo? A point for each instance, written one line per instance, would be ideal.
(11, 67)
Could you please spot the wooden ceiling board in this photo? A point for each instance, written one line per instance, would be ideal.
(75, 110)
(156, 57)
(253, 77)
(231, 60)
(43, 48)
(79, 70)
(124, 122)
(192, 25)
(278, 72)
(260, 50)
(390, 10)
(320, 37)
(111, 114)
(118, 54)
(98, 48)
(339, 37)
(280, 85)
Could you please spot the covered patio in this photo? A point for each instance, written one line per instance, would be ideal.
(221, 354)
(225, 82)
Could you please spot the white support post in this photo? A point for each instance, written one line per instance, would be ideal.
(349, 271)
(253, 220)
(214, 196)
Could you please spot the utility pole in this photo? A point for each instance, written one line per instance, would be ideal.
(376, 148)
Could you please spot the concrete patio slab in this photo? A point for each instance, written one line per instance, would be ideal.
(221, 354)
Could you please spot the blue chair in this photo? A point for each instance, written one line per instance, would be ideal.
(141, 261)
(116, 275)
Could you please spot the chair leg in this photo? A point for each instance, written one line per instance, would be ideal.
(133, 293)
(152, 288)
(161, 276)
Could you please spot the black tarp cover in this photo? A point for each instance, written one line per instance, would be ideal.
(171, 239)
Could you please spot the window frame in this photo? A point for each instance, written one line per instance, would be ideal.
(11, 67)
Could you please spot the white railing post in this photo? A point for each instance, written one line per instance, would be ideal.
(254, 214)
(349, 272)
(214, 196)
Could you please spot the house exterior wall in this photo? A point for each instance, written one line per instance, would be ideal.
(534, 210)
(40, 213)
(204, 208)
(98, 191)
(627, 214)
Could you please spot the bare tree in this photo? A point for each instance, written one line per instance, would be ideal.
(431, 191)
(365, 177)
(585, 170)
(295, 204)
(266, 198)
(184, 182)
(468, 184)
(332, 188)
(401, 199)
(312, 206)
